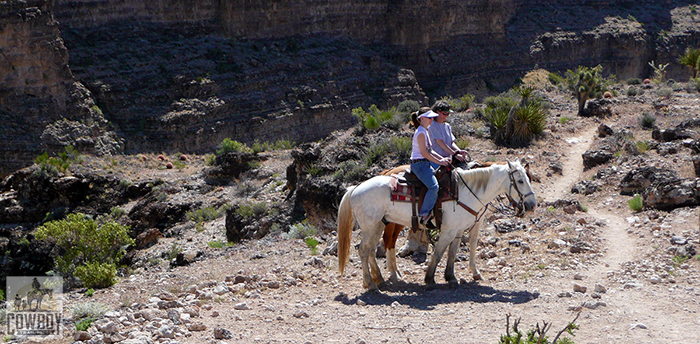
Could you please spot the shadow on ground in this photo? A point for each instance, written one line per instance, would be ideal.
(420, 296)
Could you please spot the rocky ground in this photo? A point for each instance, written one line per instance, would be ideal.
(629, 277)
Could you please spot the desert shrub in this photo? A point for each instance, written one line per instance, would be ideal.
(216, 244)
(634, 81)
(659, 76)
(513, 122)
(252, 210)
(87, 246)
(60, 163)
(529, 121)
(462, 103)
(2, 295)
(586, 83)
(96, 274)
(496, 110)
(89, 310)
(374, 118)
(312, 244)
(642, 146)
(301, 230)
(401, 146)
(350, 171)
(407, 106)
(537, 335)
(232, 146)
(664, 92)
(207, 213)
(632, 91)
(556, 79)
(209, 159)
(178, 164)
(636, 203)
(691, 58)
(83, 324)
(246, 188)
(647, 121)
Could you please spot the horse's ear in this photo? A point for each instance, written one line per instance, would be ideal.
(523, 161)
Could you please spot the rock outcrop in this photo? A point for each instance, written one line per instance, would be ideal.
(182, 75)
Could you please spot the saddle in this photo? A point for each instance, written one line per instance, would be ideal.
(408, 188)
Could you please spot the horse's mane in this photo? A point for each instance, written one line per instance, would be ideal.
(478, 178)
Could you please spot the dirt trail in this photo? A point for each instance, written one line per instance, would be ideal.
(619, 245)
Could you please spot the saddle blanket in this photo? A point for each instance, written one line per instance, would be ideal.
(400, 192)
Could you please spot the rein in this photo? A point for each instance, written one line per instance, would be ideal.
(502, 208)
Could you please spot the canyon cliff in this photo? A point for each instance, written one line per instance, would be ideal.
(126, 76)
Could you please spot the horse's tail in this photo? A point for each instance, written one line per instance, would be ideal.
(346, 222)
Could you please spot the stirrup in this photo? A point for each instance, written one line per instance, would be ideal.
(428, 222)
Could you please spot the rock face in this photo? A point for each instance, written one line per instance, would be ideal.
(183, 75)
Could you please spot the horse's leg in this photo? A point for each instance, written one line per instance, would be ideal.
(451, 255)
(473, 237)
(445, 239)
(371, 276)
(391, 233)
(415, 242)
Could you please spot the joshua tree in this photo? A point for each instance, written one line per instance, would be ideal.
(691, 58)
(585, 83)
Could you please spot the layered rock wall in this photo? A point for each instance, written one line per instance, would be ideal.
(291, 69)
(34, 78)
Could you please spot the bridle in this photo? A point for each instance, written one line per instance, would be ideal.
(520, 205)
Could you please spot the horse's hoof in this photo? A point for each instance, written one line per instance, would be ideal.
(453, 284)
(477, 277)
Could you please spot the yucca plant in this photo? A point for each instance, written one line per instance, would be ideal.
(691, 58)
(528, 122)
(586, 83)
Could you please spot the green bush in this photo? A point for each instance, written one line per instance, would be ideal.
(301, 230)
(207, 213)
(312, 244)
(350, 171)
(691, 58)
(97, 275)
(647, 121)
(408, 106)
(636, 203)
(462, 103)
(87, 245)
(252, 210)
(84, 324)
(537, 335)
(231, 146)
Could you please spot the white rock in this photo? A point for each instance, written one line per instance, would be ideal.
(242, 306)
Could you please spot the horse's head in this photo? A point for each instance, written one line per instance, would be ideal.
(520, 191)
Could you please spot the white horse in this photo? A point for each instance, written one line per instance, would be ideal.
(370, 204)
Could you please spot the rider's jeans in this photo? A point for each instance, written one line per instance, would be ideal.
(424, 172)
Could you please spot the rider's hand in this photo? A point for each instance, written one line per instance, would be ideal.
(445, 161)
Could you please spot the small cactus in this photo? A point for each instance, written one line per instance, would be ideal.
(169, 165)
